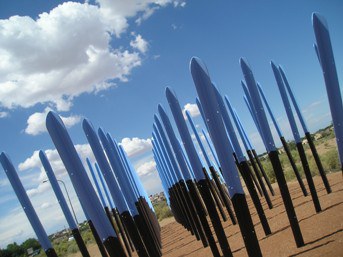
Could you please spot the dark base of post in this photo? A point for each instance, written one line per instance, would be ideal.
(184, 214)
(134, 234)
(51, 252)
(309, 177)
(148, 239)
(143, 216)
(260, 166)
(80, 243)
(212, 211)
(192, 213)
(202, 216)
(318, 162)
(97, 239)
(125, 235)
(114, 247)
(246, 225)
(294, 167)
(286, 197)
(244, 169)
(223, 195)
(260, 181)
(214, 195)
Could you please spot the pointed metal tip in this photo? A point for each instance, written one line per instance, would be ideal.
(319, 20)
(160, 108)
(169, 93)
(41, 153)
(51, 116)
(274, 67)
(315, 17)
(53, 119)
(101, 131)
(244, 62)
(87, 126)
(246, 69)
(3, 155)
(197, 65)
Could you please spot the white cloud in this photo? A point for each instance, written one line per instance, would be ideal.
(36, 122)
(179, 3)
(41, 188)
(3, 114)
(192, 108)
(139, 43)
(135, 146)
(46, 205)
(146, 168)
(55, 58)
(34, 163)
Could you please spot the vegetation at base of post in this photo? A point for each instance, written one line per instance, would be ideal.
(162, 210)
(327, 151)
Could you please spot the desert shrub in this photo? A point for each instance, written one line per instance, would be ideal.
(295, 155)
(162, 210)
(88, 236)
(331, 160)
(72, 248)
(268, 168)
(292, 145)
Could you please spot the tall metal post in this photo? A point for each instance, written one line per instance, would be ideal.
(27, 205)
(64, 206)
(224, 150)
(327, 62)
(272, 151)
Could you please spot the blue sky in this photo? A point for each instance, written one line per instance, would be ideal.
(110, 62)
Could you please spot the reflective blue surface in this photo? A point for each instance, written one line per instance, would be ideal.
(57, 190)
(216, 127)
(105, 168)
(78, 176)
(25, 201)
(286, 103)
(185, 135)
(257, 106)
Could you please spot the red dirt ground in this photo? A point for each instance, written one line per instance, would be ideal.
(322, 232)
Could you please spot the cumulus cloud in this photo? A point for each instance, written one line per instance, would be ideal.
(38, 190)
(46, 205)
(192, 108)
(34, 163)
(36, 122)
(139, 43)
(135, 146)
(54, 58)
(3, 114)
(146, 168)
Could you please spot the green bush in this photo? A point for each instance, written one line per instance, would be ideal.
(72, 248)
(162, 210)
(331, 160)
(88, 236)
(268, 168)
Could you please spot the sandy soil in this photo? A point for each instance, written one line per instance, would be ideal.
(322, 232)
